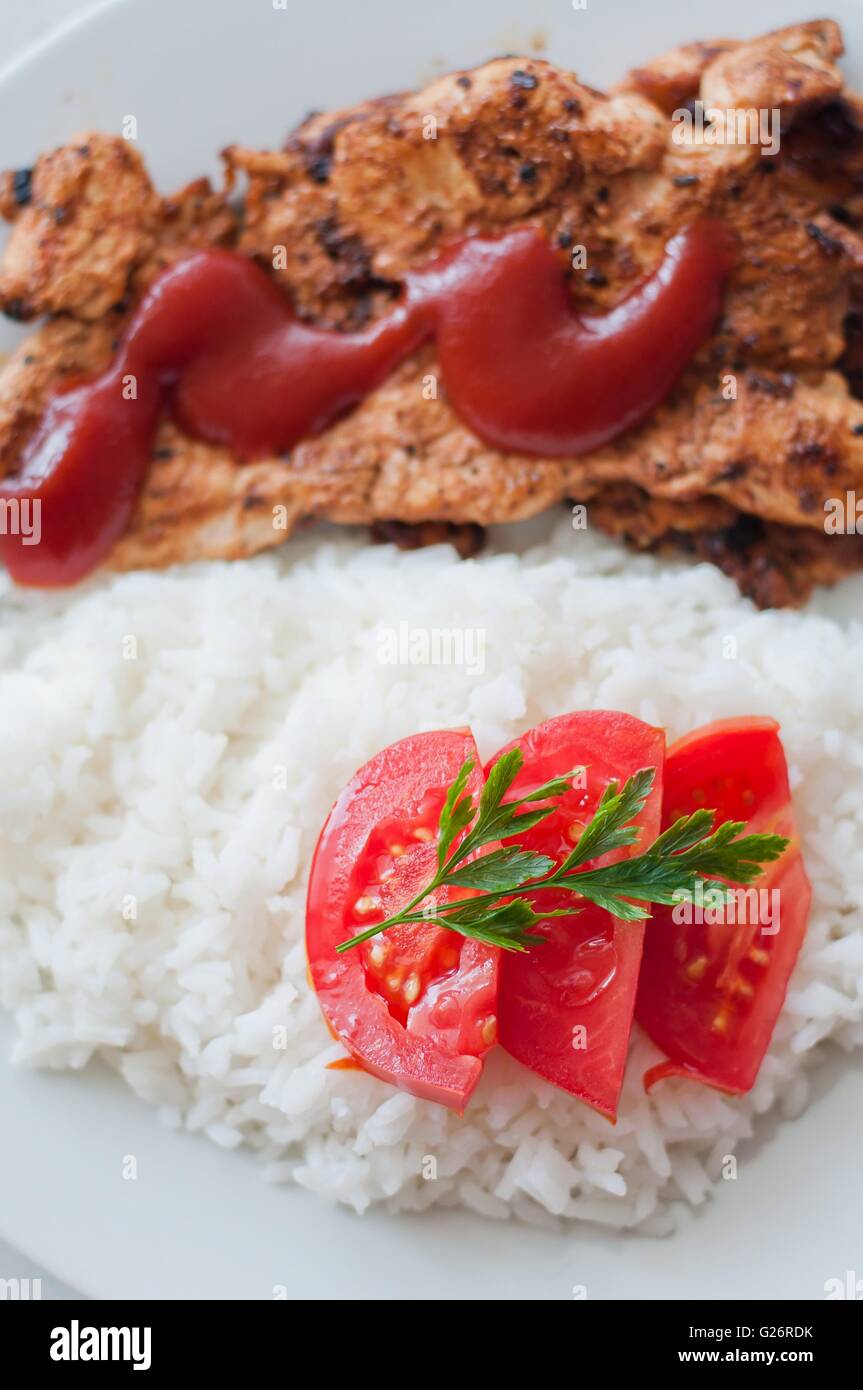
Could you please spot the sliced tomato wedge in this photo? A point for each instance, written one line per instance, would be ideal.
(416, 1005)
(565, 1007)
(710, 991)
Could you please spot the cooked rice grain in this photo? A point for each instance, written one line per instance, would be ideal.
(171, 743)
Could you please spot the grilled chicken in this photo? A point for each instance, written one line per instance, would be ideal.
(735, 466)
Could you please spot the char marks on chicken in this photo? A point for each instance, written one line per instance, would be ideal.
(736, 464)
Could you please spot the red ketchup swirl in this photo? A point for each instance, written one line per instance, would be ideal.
(217, 343)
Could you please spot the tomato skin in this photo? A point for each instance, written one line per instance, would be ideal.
(432, 1047)
(546, 993)
(709, 996)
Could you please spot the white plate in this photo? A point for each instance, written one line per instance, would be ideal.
(199, 1222)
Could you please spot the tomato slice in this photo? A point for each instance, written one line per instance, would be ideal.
(565, 1008)
(710, 992)
(416, 1005)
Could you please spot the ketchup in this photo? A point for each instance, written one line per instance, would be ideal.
(217, 342)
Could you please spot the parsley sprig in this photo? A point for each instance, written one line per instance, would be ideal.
(687, 852)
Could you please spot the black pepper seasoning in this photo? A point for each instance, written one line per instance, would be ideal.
(22, 186)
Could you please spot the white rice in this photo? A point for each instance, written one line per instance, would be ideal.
(171, 743)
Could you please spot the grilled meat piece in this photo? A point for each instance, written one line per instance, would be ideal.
(774, 565)
(467, 540)
(762, 425)
(93, 232)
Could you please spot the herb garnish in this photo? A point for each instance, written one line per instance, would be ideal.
(689, 850)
